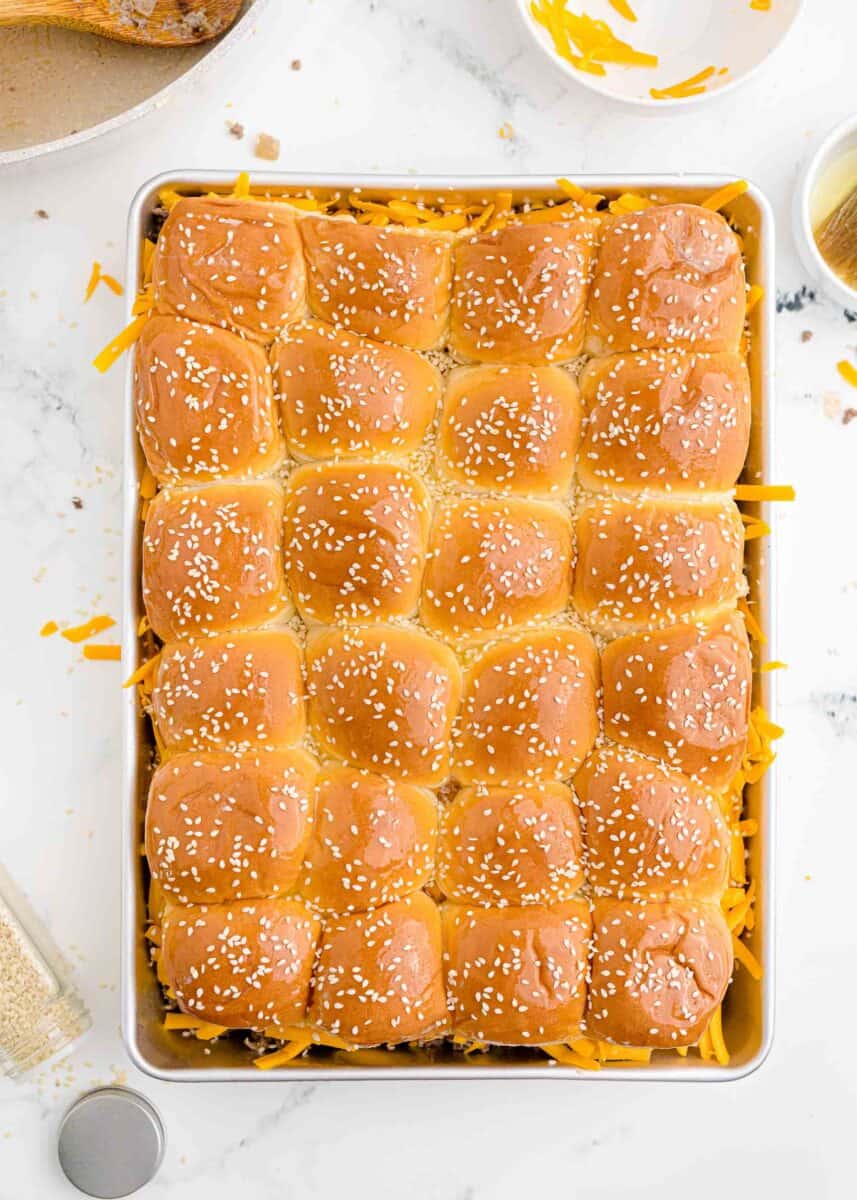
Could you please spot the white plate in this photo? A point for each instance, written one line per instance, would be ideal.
(686, 35)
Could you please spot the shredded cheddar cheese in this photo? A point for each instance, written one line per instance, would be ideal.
(96, 277)
(148, 485)
(623, 8)
(144, 302)
(764, 491)
(571, 1058)
(242, 186)
(144, 673)
(695, 85)
(754, 629)
(725, 195)
(594, 42)
(754, 295)
(279, 1058)
(49, 629)
(103, 652)
(848, 372)
(206, 1031)
(754, 527)
(747, 958)
(629, 202)
(147, 255)
(122, 342)
(575, 192)
(291, 1033)
(80, 633)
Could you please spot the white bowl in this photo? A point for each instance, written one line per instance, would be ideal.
(840, 140)
(687, 36)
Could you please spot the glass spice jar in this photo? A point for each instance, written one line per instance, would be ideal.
(40, 1012)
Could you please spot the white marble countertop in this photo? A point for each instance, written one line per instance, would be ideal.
(396, 85)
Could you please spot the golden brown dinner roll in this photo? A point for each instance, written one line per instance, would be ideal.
(226, 827)
(343, 394)
(495, 563)
(230, 262)
(379, 975)
(510, 428)
(659, 970)
(665, 421)
(510, 845)
(392, 284)
(245, 965)
(384, 698)
(645, 563)
(373, 841)
(672, 276)
(355, 541)
(517, 976)
(212, 559)
(682, 694)
(519, 293)
(648, 832)
(236, 691)
(205, 407)
(529, 709)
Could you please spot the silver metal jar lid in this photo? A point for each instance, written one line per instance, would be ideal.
(111, 1142)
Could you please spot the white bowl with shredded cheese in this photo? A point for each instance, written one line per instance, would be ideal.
(659, 54)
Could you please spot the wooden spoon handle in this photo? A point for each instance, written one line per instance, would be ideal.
(145, 22)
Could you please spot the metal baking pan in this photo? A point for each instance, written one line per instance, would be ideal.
(749, 1007)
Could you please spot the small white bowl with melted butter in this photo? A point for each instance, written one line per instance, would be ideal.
(724, 41)
(828, 176)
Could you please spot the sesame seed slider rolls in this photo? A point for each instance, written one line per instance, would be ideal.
(659, 971)
(511, 429)
(392, 284)
(529, 709)
(244, 965)
(232, 263)
(510, 845)
(235, 691)
(493, 564)
(682, 695)
(379, 975)
(648, 831)
(652, 563)
(665, 422)
(670, 276)
(520, 292)
(344, 394)
(516, 976)
(212, 559)
(205, 406)
(383, 698)
(355, 541)
(222, 827)
(373, 841)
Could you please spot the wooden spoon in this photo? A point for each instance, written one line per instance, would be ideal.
(147, 22)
